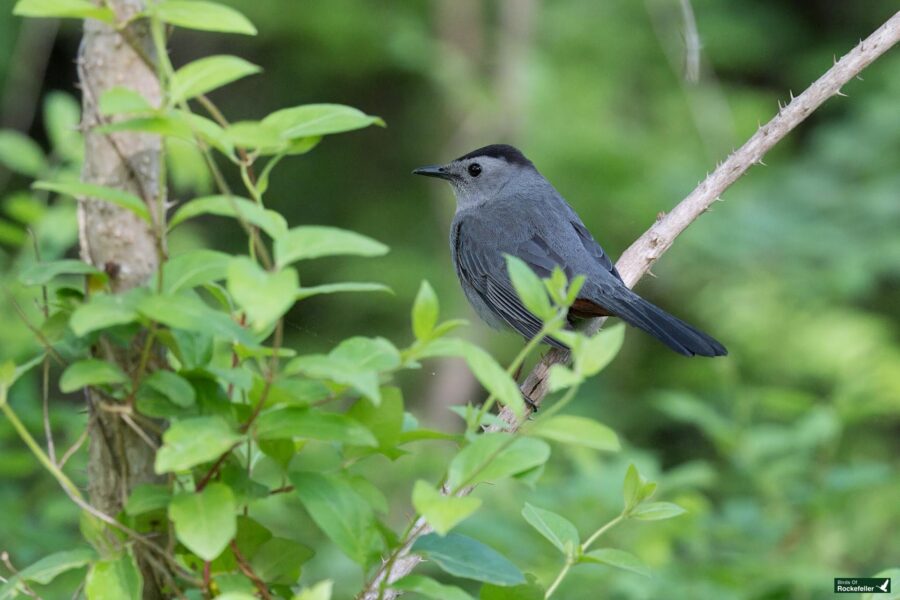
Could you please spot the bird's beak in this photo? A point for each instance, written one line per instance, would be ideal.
(433, 171)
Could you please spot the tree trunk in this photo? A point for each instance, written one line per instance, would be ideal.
(117, 241)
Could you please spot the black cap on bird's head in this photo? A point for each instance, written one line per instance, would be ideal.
(510, 154)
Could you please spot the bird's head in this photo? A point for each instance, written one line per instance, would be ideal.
(479, 176)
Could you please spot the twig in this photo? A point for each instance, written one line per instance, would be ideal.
(4, 557)
(247, 570)
(45, 367)
(78, 443)
(39, 335)
(647, 249)
(140, 431)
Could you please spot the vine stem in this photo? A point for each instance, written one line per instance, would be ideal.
(570, 561)
(36, 449)
(647, 249)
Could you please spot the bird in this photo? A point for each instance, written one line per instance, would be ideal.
(884, 586)
(504, 206)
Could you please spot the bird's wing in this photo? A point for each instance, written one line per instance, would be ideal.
(482, 265)
(593, 248)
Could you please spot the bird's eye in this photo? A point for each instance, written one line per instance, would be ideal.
(474, 169)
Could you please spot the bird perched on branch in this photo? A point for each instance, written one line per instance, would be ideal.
(505, 206)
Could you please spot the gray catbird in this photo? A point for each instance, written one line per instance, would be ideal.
(505, 206)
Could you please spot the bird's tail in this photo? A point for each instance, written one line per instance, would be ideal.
(670, 330)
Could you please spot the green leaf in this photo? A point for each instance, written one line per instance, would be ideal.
(193, 268)
(333, 288)
(119, 100)
(192, 314)
(556, 528)
(46, 569)
(314, 241)
(115, 196)
(114, 579)
(42, 272)
(561, 377)
(164, 125)
(493, 456)
(618, 559)
(464, 557)
(207, 74)
(579, 431)
(194, 441)
(236, 594)
(104, 311)
(635, 489)
(339, 511)
(320, 591)
(442, 512)
(75, 9)
(385, 421)
(90, 372)
(232, 206)
(176, 124)
(172, 386)
(296, 422)
(319, 119)
(321, 366)
(278, 561)
(527, 591)
(490, 374)
(256, 135)
(21, 154)
(594, 353)
(356, 362)
(529, 288)
(62, 118)
(146, 498)
(425, 312)
(368, 354)
(205, 521)
(430, 588)
(656, 511)
(204, 16)
(264, 295)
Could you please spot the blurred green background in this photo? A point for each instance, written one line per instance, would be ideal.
(785, 452)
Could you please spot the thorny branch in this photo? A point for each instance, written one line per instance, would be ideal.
(647, 249)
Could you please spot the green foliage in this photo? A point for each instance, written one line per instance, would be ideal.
(207, 74)
(114, 579)
(429, 588)
(205, 521)
(443, 512)
(616, 558)
(77, 9)
(465, 557)
(21, 154)
(205, 16)
(557, 529)
(85, 373)
(307, 242)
